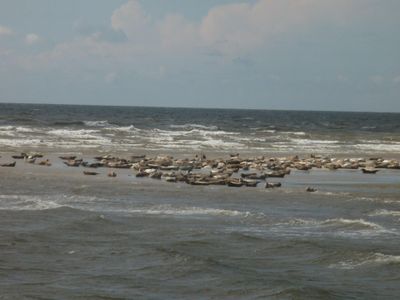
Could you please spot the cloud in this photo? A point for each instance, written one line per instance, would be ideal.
(396, 80)
(237, 29)
(377, 79)
(229, 32)
(131, 19)
(178, 34)
(31, 38)
(110, 77)
(100, 33)
(5, 31)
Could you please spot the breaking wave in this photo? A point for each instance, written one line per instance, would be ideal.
(194, 126)
(46, 202)
(373, 260)
(188, 211)
(97, 123)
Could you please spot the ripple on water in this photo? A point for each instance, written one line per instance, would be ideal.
(371, 260)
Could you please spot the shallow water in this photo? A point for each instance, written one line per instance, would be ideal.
(64, 235)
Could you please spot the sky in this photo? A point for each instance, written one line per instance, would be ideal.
(341, 55)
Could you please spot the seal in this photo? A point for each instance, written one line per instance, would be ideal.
(46, 163)
(235, 182)
(90, 173)
(30, 159)
(73, 163)
(250, 183)
(112, 174)
(9, 165)
(67, 157)
(369, 171)
(269, 185)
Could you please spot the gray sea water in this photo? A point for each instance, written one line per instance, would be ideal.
(63, 128)
(64, 235)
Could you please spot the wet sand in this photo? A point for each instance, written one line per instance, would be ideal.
(324, 180)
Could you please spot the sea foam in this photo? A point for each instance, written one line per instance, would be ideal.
(373, 260)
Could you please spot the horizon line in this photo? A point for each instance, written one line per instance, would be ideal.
(206, 108)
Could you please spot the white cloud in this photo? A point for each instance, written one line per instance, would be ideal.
(5, 31)
(31, 38)
(230, 31)
(235, 29)
(342, 78)
(178, 34)
(131, 19)
(377, 79)
(110, 77)
(396, 80)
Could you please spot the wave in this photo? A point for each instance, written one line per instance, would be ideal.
(6, 128)
(67, 132)
(186, 137)
(311, 142)
(47, 202)
(300, 133)
(373, 260)
(188, 211)
(127, 129)
(377, 199)
(269, 131)
(194, 126)
(360, 223)
(67, 123)
(96, 204)
(11, 130)
(24, 202)
(368, 127)
(23, 142)
(380, 146)
(384, 212)
(339, 223)
(97, 123)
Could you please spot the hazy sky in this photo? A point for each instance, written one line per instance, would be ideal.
(269, 54)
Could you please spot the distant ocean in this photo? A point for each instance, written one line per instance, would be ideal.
(124, 129)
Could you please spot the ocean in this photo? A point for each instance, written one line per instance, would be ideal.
(57, 128)
(64, 235)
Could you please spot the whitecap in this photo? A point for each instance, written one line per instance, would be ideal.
(46, 202)
(314, 142)
(340, 223)
(24, 202)
(357, 222)
(299, 133)
(385, 212)
(80, 134)
(97, 123)
(194, 126)
(188, 211)
(379, 147)
(129, 128)
(372, 260)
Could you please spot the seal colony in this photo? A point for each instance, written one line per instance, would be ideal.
(234, 171)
